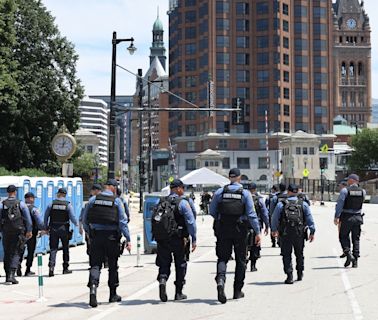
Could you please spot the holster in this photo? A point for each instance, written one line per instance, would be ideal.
(122, 246)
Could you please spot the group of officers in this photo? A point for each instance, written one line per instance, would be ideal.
(240, 215)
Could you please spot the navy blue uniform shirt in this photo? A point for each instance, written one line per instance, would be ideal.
(340, 203)
(69, 208)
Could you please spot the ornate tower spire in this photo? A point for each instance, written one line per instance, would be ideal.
(157, 49)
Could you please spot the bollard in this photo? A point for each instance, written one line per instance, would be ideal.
(138, 265)
(41, 298)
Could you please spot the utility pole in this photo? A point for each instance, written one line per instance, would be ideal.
(141, 162)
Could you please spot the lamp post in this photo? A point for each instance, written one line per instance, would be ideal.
(141, 162)
(112, 143)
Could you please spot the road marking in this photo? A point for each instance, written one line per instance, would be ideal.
(140, 293)
(357, 313)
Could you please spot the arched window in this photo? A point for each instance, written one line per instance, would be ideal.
(244, 177)
(351, 70)
(360, 69)
(263, 177)
(343, 69)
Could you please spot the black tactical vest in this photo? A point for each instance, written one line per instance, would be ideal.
(180, 219)
(354, 199)
(231, 204)
(257, 205)
(59, 212)
(12, 215)
(103, 211)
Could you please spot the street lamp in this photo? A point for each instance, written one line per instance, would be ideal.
(112, 143)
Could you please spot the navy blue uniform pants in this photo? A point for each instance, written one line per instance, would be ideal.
(289, 242)
(104, 245)
(225, 243)
(165, 249)
(11, 244)
(59, 232)
(30, 245)
(350, 228)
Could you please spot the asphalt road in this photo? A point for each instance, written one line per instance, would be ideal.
(328, 291)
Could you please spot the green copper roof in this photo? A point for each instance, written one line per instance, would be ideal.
(158, 25)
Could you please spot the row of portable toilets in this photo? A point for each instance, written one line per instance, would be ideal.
(45, 189)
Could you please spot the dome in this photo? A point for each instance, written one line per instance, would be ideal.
(158, 25)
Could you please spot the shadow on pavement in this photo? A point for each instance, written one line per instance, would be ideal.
(205, 261)
(327, 268)
(80, 305)
(266, 283)
(324, 257)
(139, 302)
(210, 302)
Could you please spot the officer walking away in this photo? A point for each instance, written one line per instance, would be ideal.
(16, 225)
(233, 212)
(349, 215)
(95, 190)
(262, 215)
(289, 220)
(104, 219)
(125, 205)
(271, 203)
(205, 201)
(37, 222)
(57, 217)
(172, 222)
(342, 184)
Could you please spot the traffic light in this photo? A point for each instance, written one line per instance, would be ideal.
(143, 180)
(238, 116)
(142, 168)
(322, 167)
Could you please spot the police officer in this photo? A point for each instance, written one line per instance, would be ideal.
(95, 190)
(57, 217)
(281, 195)
(124, 202)
(342, 184)
(290, 217)
(16, 225)
(262, 214)
(104, 219)
(205, 200)
(37, 222)
(233, 211)
(176, 244)
(270, 205)
(349, 214)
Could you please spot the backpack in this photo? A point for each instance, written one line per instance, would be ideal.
(292, 216)
(163, 221)
(257, 205)
(12, 215)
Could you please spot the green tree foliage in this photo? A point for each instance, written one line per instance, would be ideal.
(365, 154)
(84, 165)
(41, 90)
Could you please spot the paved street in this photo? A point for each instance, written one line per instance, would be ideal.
(329, 291)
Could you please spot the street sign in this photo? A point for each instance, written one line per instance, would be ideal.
(277, 174)
(171, 179)
(306, 172)
(324, 148)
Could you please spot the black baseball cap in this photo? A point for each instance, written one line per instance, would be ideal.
(62, 191)
(252, 186)
(11, 188)
(96, 186)
(112, 182)
(29, 195)
(293, 188)
(282, 187)
(176, 183)
(234, 172)
(275, 187)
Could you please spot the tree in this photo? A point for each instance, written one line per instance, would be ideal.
(47, 91)
(365, 154)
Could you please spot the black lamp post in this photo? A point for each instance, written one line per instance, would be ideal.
(141, 161)
(112, 124)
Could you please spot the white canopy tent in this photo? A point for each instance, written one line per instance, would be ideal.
(202, 176)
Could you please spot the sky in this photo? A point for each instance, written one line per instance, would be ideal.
(89, 25)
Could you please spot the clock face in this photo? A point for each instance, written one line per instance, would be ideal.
(351, 23)
(63, 146)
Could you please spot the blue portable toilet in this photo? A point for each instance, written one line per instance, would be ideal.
(38, 189)
(78, 204)
(48, 197)
(150, 202)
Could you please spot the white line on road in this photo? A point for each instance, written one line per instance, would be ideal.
(139, 293)
(357, 313)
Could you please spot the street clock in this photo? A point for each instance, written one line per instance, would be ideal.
(63, 144)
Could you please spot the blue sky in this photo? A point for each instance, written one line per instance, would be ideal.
(89, 24)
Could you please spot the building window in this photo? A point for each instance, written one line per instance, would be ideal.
(242, 25)
(262, 93)
(300, 27)
(223, 41)
(223, 75)
(285, 9)
(190, 16)
(285, 25)
(242, 8)
(222, 7)
(190, 32)
(190, 146)
(223, 127)
(190, 130)
(263, 58)
(242, 42)
(301, 94)
(243, 163)
(223, 58)
(223, 144)
(301, 77)
(242, 76)
(297, 150)
(286, 42)
(286, 127)
(320, 12)
(223, 24)
(301, 61)
(286, 59)
(286, 110)
(223, 92)
(305, 150)
(323, 163)
(262, 75)
(242, 93)
(226, 163)
(262, 144)
(320, 45)
(262, 24)
(89, 149)
(312, 150)
(190, 164)
(263, 163)
(286, 93)
(262, 42)
(286, 76)
(190, 48)
(190, 65)
(300, 44)
(300, 11)
(242, 58)
(243, 144)
(262, 8)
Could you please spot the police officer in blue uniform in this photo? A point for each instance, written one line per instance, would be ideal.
(16, 225)
(176, 244)
(124, 202)
(290, 217)
(104, 219)
(31, 243)
(270, 206)
(57, 219)
(233, 212)
(262, 214)
(349, 215)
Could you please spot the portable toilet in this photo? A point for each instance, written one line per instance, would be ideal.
(150, 202)
(78, 205)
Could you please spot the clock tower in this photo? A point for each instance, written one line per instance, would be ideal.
(352, 62)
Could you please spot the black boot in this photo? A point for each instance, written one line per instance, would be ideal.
(162, 290)
(253, 266)
(28, 272)
(93, 296)
(114, 297)
(221, 295)
(238, 294)
(289, 279)
(179, 295)
(343, 255)
(19, 271)
(12, 277)
(51, 271)
(354, 263)
(349, 259)
(67, 271)
(300, 275)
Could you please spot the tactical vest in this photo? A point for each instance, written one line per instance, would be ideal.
(103, 211)
(354, 199)
(15, 221)
(231, 205)
(257, 205)
(180, 219)
(59, 212)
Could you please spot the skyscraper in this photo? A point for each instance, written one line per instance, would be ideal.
(276, 56)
